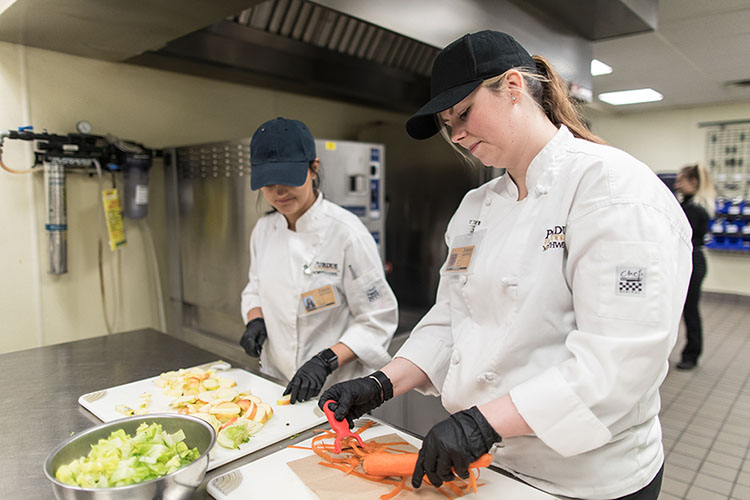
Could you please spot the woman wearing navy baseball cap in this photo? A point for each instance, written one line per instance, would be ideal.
(317, 300)
(560, 299)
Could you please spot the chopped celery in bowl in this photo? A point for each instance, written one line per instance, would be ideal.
(142, 456)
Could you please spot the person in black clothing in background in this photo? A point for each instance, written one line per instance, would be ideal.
(694, 185)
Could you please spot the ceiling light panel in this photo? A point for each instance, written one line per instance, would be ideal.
(599, 68)
(634, 96)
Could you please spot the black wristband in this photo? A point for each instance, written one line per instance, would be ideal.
(386, 386)
(329, 358)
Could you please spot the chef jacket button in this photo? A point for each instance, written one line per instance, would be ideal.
(456, 358)
(540, 189)
(506, 282)
(463, 279)
(488, 377)
(488, 202)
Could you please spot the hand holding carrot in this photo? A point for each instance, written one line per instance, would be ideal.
(451, 445)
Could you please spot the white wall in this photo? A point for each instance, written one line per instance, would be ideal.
(153, 107)
(666, 141)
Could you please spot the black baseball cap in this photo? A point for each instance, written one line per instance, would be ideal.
(280, 153)
(460, 68)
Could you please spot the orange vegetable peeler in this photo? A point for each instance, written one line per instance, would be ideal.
(341, 428)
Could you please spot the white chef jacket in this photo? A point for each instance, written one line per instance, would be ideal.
(572, 306)
(338, 251)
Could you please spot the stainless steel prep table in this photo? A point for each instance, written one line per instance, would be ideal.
(40, 397)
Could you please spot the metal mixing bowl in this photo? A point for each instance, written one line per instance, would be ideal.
(178, 485)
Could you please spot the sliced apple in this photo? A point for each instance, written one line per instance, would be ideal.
(195, 408)
(285, 400)
(260, 414)
(228, 423)
(252, 409)
(182, 401)
(268, 410)
(226, 382)
(224, 411)
(255, 399)
(210, 384)
(207, 396)
(225, 395)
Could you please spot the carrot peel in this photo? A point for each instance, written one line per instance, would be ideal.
(383, 463)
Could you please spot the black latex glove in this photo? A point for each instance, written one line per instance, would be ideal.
(308, 381)
(453, 443)
(356, 397)
(254, 336)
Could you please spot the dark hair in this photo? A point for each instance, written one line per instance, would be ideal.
(315, 185)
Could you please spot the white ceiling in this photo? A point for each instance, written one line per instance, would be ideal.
(699, 46)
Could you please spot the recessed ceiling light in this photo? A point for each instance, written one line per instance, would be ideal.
(599, 68)
(630, 96)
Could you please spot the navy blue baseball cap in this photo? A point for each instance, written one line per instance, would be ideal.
(460, 68)
(280, 153)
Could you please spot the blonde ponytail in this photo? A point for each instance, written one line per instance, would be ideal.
(705, 194)
(551, 92)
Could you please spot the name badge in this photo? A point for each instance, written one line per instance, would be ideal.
(463, 252)
(318, 299)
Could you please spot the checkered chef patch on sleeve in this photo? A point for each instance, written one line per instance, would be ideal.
(630, 281)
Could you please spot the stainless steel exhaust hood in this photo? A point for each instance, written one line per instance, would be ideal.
(374, 53)
(307, 48)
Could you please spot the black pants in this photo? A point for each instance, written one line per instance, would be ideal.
(690, 312)
(648, 492)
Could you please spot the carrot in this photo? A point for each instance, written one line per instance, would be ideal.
(389, 462)
(395, 490)
(402, 464)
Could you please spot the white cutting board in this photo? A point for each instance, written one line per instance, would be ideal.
(271, 477)
(287, 420)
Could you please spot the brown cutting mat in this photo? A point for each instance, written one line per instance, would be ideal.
(332, 484)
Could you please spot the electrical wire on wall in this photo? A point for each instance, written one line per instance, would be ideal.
(100, 252)
(3, 135)
(151, 250)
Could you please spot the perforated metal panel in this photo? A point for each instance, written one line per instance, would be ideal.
(221, 159)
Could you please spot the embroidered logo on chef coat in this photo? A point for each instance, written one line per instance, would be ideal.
(372, 293)
(631, 281)
(330, 268)
(555, 238)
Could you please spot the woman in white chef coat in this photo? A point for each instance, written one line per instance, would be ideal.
(561, 296)
(317, 300)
